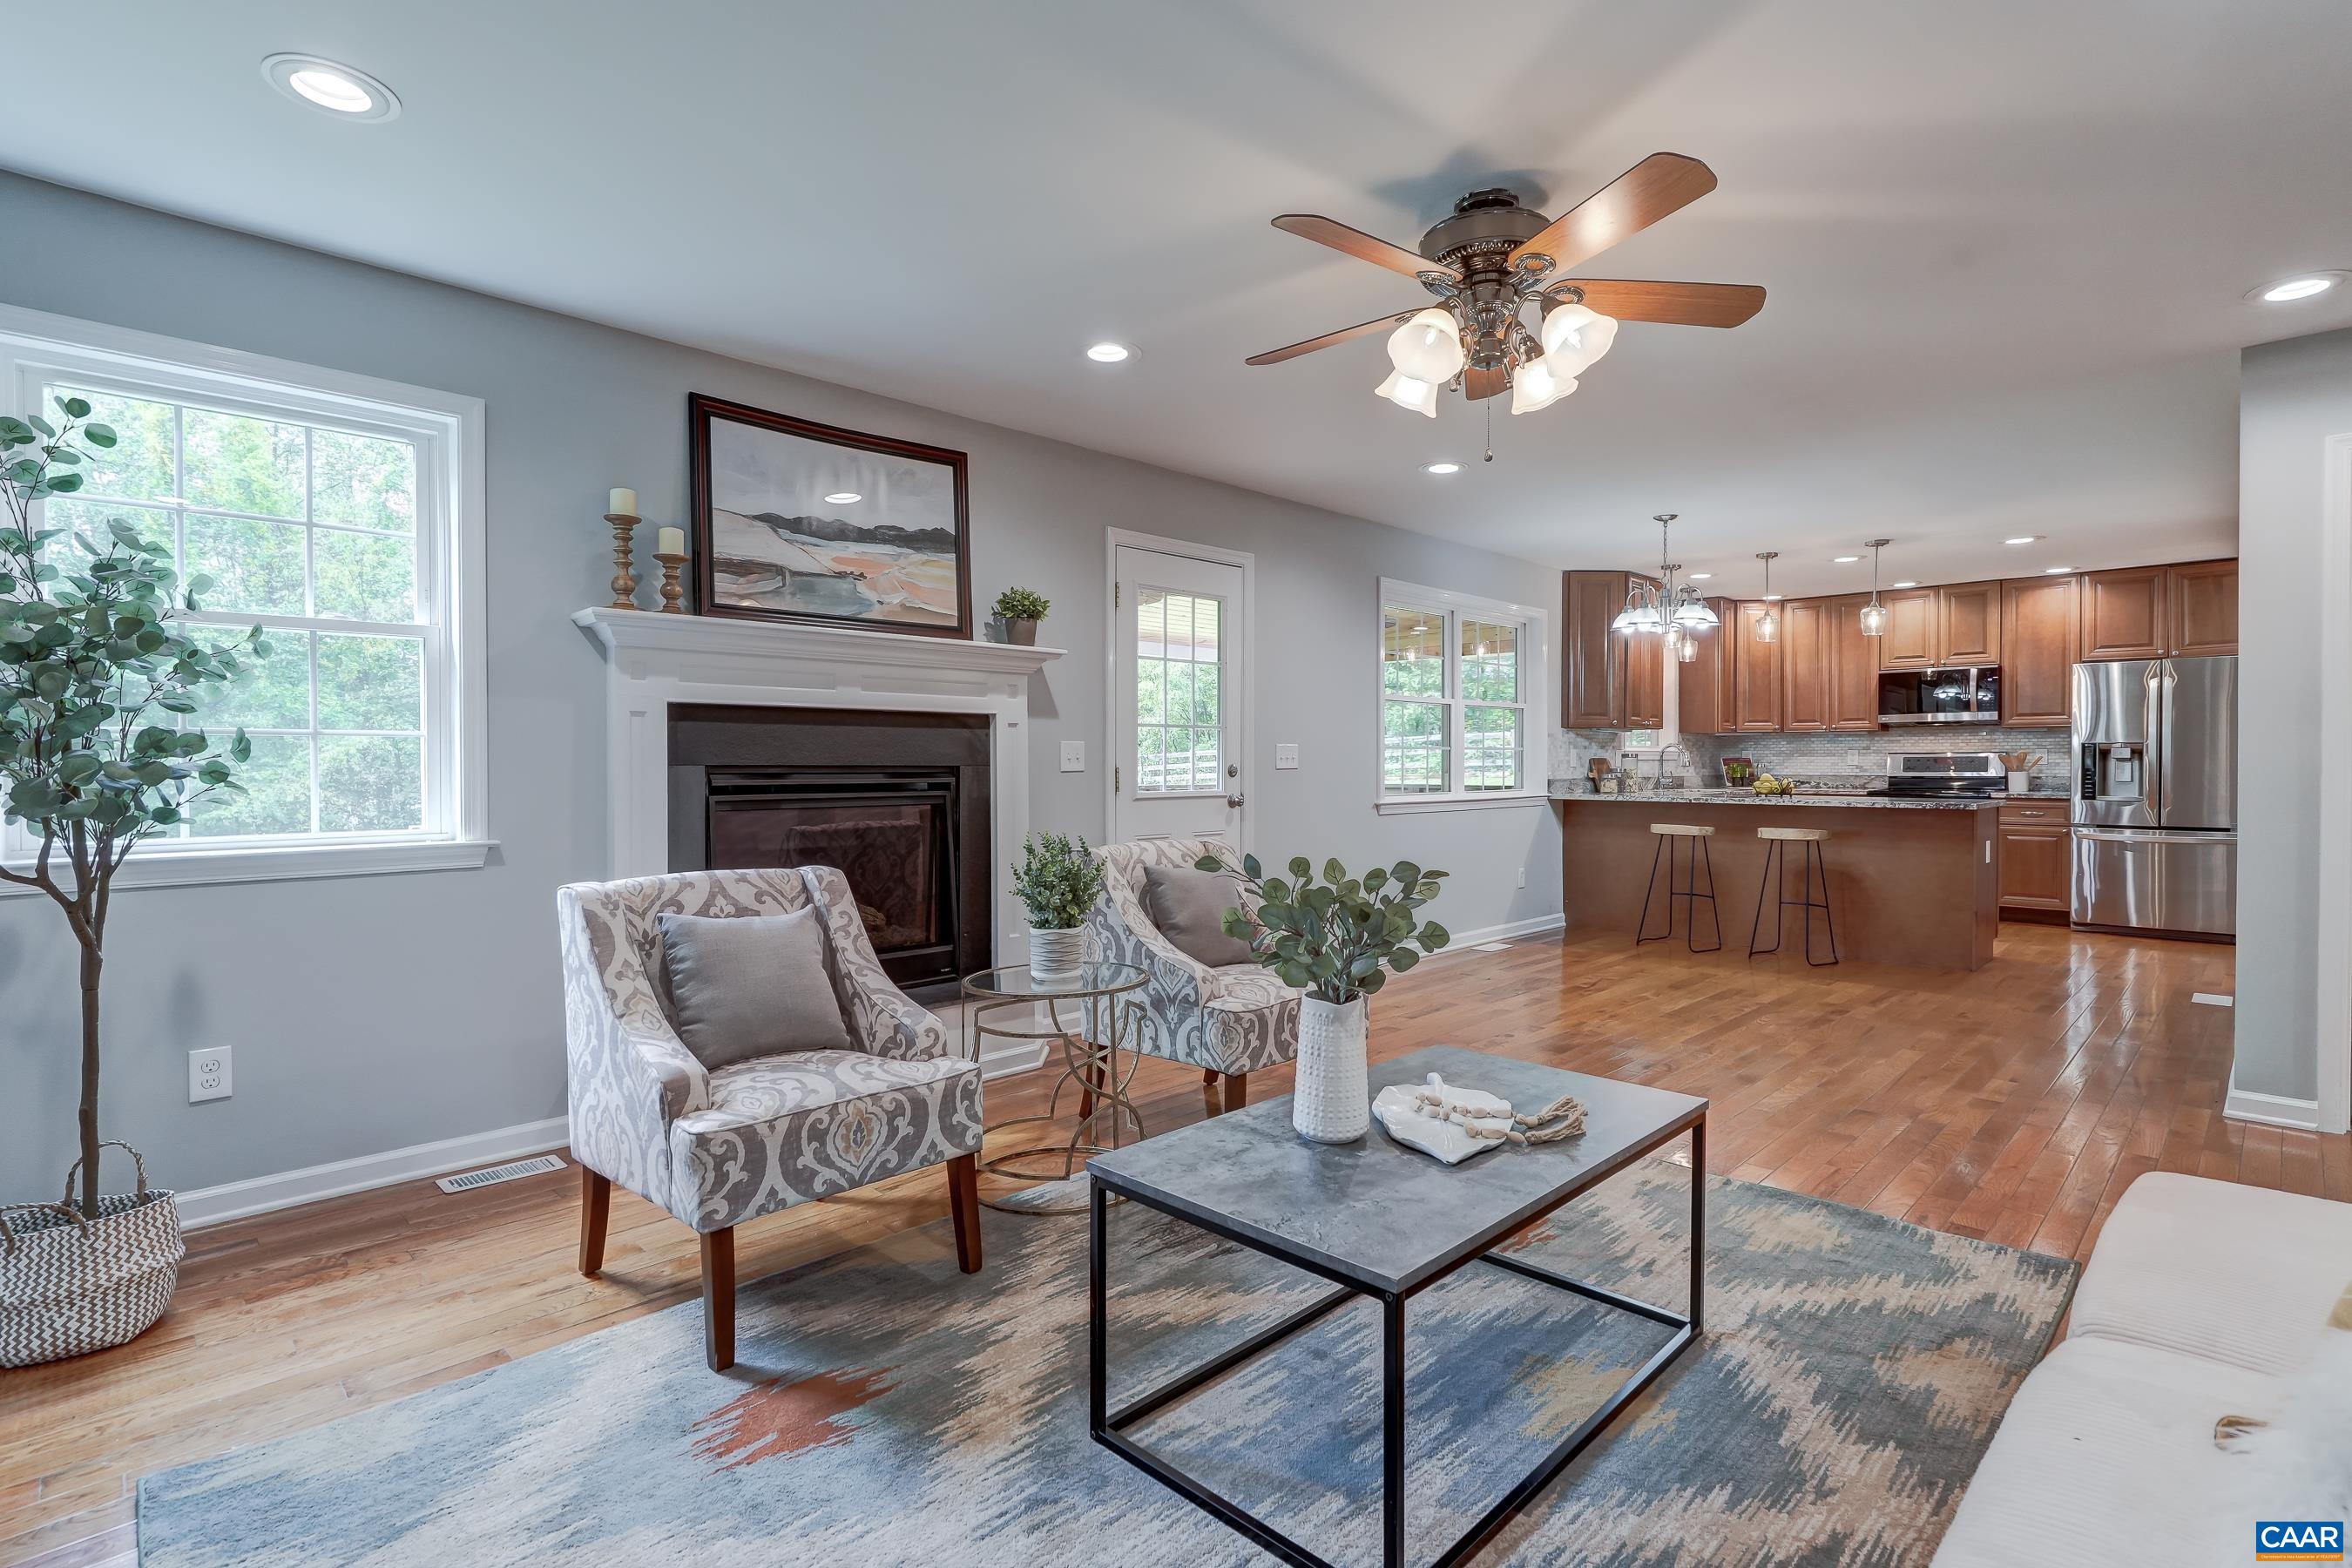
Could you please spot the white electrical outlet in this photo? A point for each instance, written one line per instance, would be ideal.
(208, 1074)
(1523, 876)
(1286, 754)
(1074, 756)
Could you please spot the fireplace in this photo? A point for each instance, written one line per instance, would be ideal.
(897, 801)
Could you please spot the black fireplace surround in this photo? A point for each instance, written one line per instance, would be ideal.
(897, 801)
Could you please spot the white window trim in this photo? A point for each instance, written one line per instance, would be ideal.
(1535, 663)
(36, 339)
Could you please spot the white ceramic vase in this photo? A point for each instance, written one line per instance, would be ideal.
(1333, 1102)
(1056, 956)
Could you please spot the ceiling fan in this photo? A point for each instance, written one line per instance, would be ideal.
(1493, 258)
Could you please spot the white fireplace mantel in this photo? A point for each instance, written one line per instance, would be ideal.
(653, 660)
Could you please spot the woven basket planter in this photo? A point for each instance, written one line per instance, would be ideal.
(69, 1286)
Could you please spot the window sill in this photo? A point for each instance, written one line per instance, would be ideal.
(195, 867)
(1405, 806)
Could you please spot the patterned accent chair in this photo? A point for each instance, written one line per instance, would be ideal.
(715, 1147)
(1230, 1021)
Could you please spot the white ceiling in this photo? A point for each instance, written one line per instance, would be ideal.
(2006, 243)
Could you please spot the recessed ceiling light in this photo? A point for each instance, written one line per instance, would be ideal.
(1773, 598)
(340, 90)
(1441, 468)
(2055, 570)
(1111, 353)
(843, 497)
(1843, 559)
(2301, 287)
(1906, 584)
(1700, 576)
(2024, 539)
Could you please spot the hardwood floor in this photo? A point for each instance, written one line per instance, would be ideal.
(2013, 1104)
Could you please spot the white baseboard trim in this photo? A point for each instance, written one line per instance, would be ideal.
(261, 1194)
(1013, 1056)
(1463, 941)
(2272, 1109)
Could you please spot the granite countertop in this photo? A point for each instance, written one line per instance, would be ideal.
(1749, 798)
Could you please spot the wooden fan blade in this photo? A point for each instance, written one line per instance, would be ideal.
(1659, 184)
(1362, 246)
(1478, 383)
(1276, 356)
(1682, 304)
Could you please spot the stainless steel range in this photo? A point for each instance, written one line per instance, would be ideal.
(1945, 775)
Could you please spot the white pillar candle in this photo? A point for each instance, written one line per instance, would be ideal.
(670, 542)
(621, 503)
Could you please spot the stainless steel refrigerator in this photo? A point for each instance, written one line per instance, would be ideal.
(2155, 795)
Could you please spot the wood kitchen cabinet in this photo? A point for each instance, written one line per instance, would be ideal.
(1755, 673)
(2036, 849)
(1853, 666)
(2040, 630)
(1913, 629)
(2127, 613)
(1646, 682)
(1805, 666)
(2204, 604)
(1592, 666)
(1967, 622)
(1702, 688)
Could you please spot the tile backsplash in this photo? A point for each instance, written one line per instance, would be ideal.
(1839, 756)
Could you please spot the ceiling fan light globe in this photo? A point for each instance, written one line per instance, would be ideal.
(1428, 347)
(1534, 387)
(1409, 392)
(1575, 337)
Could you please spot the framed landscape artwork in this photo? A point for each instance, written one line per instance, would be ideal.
(795, 521)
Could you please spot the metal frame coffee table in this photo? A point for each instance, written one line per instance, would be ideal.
(1336, 1211)
(1090, 1052)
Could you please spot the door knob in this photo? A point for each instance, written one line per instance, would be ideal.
(1234, 801)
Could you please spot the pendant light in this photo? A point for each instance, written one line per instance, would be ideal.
(1768, 625)
(1874, 614)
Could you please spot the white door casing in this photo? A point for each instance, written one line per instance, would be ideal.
(1179, 684)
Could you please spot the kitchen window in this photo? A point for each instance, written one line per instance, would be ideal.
(343, 516)
(1461, 683)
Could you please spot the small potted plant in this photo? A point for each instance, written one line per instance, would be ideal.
(1021, 609)
(1058, 879)
(1339, 940)
(100, 672)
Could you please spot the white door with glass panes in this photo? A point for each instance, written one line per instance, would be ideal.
(1178, 682)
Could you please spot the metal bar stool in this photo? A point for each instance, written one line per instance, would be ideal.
(1696, 837)
(1776, 876)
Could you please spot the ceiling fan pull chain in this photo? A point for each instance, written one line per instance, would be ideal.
(1490, 429)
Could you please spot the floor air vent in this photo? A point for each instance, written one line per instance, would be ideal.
(514, 1172)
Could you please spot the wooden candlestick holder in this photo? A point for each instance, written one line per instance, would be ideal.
(670, 590)
(625, 577)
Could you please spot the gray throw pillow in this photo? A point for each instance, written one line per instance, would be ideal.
(1189, 907)
(753, 985)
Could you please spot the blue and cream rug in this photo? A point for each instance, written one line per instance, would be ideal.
(888, 1410)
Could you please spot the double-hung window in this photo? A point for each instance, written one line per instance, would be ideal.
(341, 515)
(1461, 690)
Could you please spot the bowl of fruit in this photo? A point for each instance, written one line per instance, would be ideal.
(1766, 785)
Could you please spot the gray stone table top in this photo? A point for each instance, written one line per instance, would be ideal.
(1749, 798)
(1373, 1212)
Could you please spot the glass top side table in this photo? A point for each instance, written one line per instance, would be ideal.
(1093, 1044)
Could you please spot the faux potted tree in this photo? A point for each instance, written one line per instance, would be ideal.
(1058, 879)
(1339, 940)
(1021, 609)
(98, 678)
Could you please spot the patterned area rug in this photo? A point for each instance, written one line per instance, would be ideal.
(888, 1410)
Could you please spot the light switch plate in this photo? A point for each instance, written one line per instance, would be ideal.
(1286, 754)
(1074, 756)
(208, 1074)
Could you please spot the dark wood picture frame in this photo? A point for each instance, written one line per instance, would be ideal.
(701, 410)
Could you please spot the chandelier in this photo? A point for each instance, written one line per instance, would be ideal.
(1662, 608)
(1479, 330)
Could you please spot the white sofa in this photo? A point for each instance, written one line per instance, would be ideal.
(2201, 1300)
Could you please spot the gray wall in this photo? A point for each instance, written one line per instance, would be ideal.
(2292, 396)
(369, 1013)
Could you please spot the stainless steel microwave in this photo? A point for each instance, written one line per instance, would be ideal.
(1967, 694)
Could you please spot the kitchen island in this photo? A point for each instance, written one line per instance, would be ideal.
(1912, 882)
